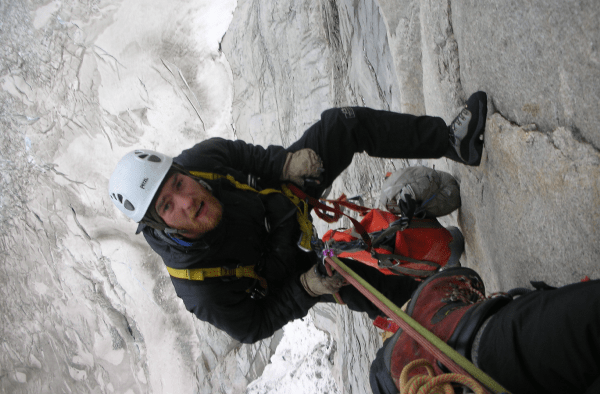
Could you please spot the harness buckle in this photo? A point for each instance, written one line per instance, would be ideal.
(239, 272)
(302, 242)
(257, 292)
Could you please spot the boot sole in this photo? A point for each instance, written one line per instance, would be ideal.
(475, 143)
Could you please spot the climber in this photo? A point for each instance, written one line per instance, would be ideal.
(529, 341)
(198, 221)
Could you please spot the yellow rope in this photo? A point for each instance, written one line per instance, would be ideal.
(431, 384)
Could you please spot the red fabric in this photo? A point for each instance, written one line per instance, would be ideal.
(385, 324)
(438, 314)
(430, 244)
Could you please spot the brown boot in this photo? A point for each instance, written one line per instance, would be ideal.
(452, 305)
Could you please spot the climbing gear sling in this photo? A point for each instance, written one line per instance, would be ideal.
(302, 201)
(302, 214)
(258, 289)
(379, 241)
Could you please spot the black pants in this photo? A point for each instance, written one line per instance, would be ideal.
(544, 342)
(340, 134)
(397, 289)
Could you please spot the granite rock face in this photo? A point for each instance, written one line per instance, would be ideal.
(539, 59)
(535, 207)
(530, 211)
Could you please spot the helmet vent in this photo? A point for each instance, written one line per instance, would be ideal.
(136, 180)
(129, 206)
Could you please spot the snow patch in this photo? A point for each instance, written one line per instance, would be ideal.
(300, 364)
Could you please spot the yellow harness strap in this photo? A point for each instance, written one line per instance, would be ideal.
(302, 215)
(203, 273)
(247, 271)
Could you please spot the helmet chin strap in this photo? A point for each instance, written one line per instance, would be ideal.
(164, 228)
(186, 172)
(204, 184)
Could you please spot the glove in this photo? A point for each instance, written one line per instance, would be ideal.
(315, 284)
(304, 163)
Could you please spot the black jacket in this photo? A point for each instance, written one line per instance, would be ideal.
(241, 238)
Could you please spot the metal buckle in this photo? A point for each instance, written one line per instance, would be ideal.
(258, 292)
(302, 248)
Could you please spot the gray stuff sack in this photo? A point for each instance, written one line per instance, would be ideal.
(436, 192)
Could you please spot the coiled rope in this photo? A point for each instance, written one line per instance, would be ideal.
(431, 384)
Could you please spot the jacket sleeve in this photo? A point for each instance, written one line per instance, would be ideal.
(220, 155)
(228, 306)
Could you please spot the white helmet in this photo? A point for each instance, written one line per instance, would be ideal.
(136, 179)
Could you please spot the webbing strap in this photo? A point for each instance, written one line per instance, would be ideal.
(301, 215)
(301, 201)
(239, 185)
(203, 273)
(440, 349)
(319, 206)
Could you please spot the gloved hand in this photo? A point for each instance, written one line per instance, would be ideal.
(315, 284)
(304, 163)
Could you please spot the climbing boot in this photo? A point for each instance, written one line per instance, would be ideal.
(452, 305)
(466, 131)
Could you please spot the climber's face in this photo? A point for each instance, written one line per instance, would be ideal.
(186, 205)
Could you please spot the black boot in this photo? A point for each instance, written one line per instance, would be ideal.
(466, 145)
